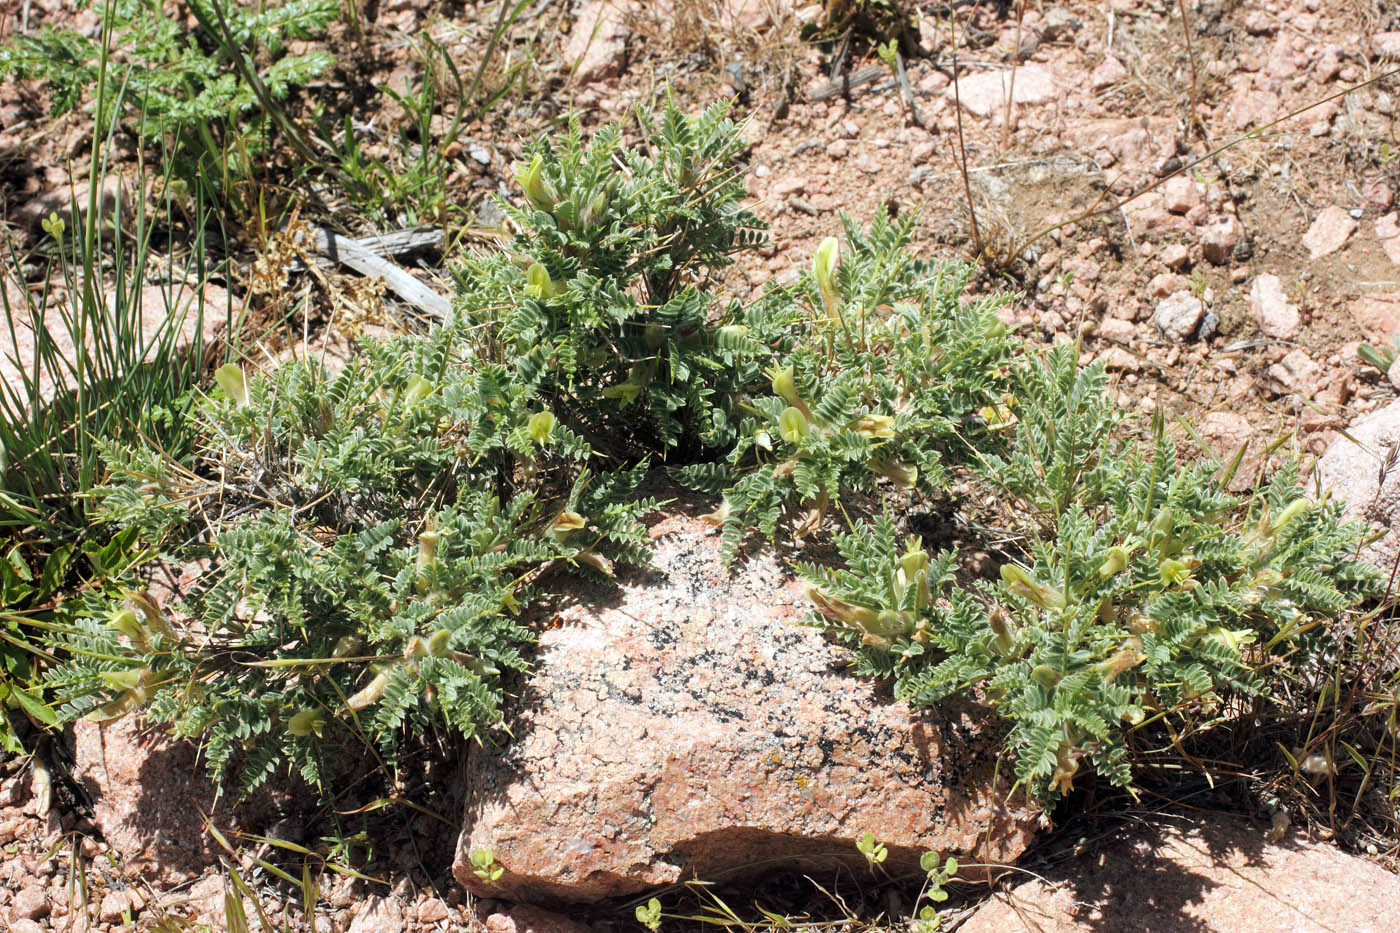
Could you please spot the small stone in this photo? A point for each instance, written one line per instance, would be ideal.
(377, 915)
(1220, 239)
(598, 42)
(1393, 374)
(1059, 24)
(26, 926)
(1117, 359)
(1379, 193)
(1165, 284)
(1267, 300)
(1117, 330)
(985, 94)
(1178, 315)
(114, 904)
(1329, 232)
(793, 184)
(525, 919)
(1176, 257)
(432, 910)
(1259, 23)
(1386, 45)
(1377, 316)
(480, 154)
(1388, 232)
(1181, 193)
(1297, 373)
(29, 904)
(1108, 73)
(837, 149)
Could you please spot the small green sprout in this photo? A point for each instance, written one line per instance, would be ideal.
(875, 852)
(649, 914)
(485, 866)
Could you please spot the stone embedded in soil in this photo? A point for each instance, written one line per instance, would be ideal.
(1221, 238)
(30, 903)
(1108, 73)
(1388, 233)
(1227, 432)
(985, 94)
(1178, 315)
(1271, 308)
(175, 305)
(1377, 316)
(1329, 232)
(1222, 876)
(1181, 193)
(378, 915)
(1386, 45)
(526, 919)
(1297, 373)
(150, 798)
(682, 726)
(1351, 468)
(598, 42)
(1176, 257)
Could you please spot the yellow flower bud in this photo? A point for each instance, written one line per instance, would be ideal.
(539, 284)
(306, 722)
(1024, 585)
(371, 692)
(874, 426)
(347, 646)
(128, 679)
(1294, 509)
(427, 549)
(836, 609)
(1116, 562)
(417, 389)
(595, 560)
(1124, 660)
(532, 182)
(230, 378)
(566, 522)
(1000, 623)
(903, 475)
(824, 263)
(793, 425)
(129, 624)
(541, 426)
(785, 385)
(1174, 572)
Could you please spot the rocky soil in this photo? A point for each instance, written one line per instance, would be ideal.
(1227, 287)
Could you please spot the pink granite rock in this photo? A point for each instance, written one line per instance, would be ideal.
(1220, 237)
(526, 919)
(1329, 232)
(1178, 315)
(985, 94)
(1222, 876)
(1276, 316)
(1297, 372)
(1388, 233)
(377, 915)
(178, 306)
(597, 45)
(682, 726)
(150, 797)
(1378, 316)
(1351, 470)
(1107, 73)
